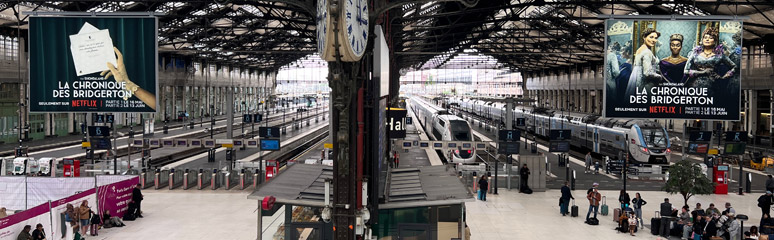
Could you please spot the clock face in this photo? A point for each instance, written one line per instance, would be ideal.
(322, 26)
(356, 18)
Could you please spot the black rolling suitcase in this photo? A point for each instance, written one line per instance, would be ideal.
(574, 209)
(655, 224)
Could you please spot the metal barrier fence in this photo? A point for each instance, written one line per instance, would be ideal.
(189, 179)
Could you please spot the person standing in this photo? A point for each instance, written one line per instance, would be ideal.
(637, 204)
(699, 225)
(624, 199)
(594, 197)
(734, 227)
(524, 176)
(25, 233)
(666, 218)
(565, 199)
(765, 202)
(39, 233)
(396, 158)
(729, 209)
(83, 216)
(137, 200)
(770, 184)
(483, 185)
(588, 162)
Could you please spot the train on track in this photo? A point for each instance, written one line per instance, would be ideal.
(648, 141)
(440, 125)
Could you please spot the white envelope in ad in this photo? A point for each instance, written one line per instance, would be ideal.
(92, 49)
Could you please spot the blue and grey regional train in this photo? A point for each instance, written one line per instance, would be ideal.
(648, 140)
(442, 126)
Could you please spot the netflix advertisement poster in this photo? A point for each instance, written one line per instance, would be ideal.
(672, 69)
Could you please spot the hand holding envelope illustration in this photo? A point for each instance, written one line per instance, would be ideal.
(118, 72)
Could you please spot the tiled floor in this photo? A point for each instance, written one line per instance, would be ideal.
(511, 215)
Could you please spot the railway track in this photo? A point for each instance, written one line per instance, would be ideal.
(195, 151)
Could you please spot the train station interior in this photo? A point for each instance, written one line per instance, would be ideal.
(387, 119)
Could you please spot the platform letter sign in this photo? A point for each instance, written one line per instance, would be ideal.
(521, 122)
(247, 118)
(559, 135)
(110, 118)
(396, 123)
(509, 135)
(268, 132)
(93, 64)
(99, 131)
(736, 143)
(673, 69)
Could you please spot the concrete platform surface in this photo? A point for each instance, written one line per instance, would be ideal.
(190, 214)
(512, 215)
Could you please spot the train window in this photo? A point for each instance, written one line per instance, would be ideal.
(443, 124)
(460, 130)
(618, 138)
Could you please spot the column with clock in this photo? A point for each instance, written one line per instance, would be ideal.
(353, 30)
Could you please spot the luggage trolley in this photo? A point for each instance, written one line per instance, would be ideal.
(144, 180)
(161, 178)
(175, 179)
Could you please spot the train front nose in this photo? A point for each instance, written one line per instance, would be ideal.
(463, 153)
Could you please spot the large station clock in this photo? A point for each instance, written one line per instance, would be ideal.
(356, 27)
(324, 45)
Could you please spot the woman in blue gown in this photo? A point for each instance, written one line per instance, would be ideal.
(645, 71)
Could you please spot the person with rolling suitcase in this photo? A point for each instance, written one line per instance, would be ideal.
(594, 197)
(565, 199)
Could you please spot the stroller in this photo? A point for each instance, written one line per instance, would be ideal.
(623, 221)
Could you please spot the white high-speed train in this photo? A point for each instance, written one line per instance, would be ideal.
(648, 140)
(442, 126)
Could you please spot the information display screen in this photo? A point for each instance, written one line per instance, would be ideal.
(559, 146)
(698, 148)
(734, 148)
(270, 144)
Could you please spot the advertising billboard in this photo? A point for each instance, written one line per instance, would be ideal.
(93, 64)
(675, 69)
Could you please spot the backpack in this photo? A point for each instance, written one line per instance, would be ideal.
(762, 201)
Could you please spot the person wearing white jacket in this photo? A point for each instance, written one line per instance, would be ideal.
(734, 228)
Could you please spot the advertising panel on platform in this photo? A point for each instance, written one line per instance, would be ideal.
(115, 197)
(93, 64)
(674, 69)
(11, 226)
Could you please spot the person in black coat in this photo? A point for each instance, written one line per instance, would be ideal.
(765, 202)
(524, 176)
(565, 199)
(624, 199)
(483, 185)
(137, 200)
(39, 233)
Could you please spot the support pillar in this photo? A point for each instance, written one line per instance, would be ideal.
(752, 111)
